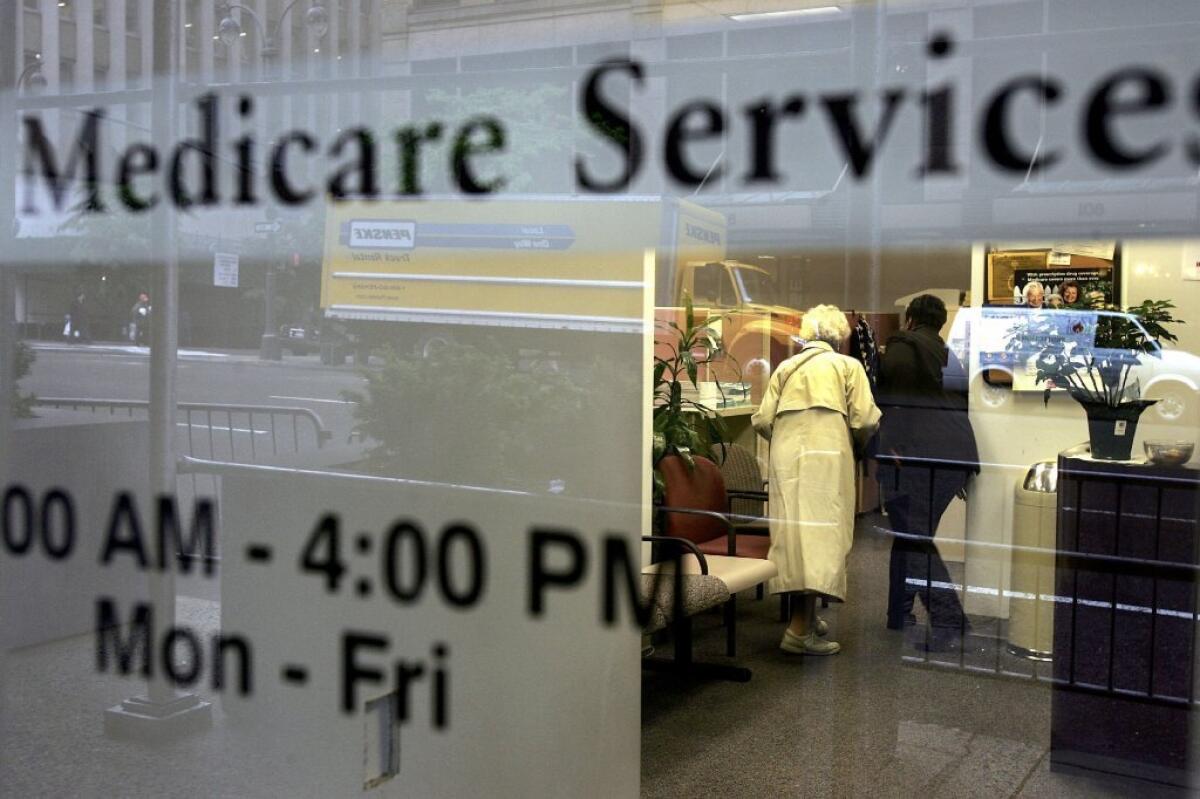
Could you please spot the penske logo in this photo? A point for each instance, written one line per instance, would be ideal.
(703, 234)
(378, 234)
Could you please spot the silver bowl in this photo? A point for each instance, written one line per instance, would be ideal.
(1169, 453)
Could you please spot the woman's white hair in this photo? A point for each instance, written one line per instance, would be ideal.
(1029, 289)
(825, 323)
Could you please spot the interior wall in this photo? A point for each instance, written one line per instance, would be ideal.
(844, 277)
(1154, 271)
(1016, 430)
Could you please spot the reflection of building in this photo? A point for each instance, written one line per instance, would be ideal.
(711, 51)
(99, 52)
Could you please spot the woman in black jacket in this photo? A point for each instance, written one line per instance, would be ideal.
(927, 453)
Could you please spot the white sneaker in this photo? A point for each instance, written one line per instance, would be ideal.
(822, 627)
(807, 645)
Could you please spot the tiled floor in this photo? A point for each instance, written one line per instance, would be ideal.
(880, 719)
(875, 720)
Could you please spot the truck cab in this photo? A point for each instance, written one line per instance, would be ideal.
(754, 327)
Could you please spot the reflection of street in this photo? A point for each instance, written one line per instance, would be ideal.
(122, 372)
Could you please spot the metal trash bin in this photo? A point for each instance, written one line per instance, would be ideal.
(1031, 603)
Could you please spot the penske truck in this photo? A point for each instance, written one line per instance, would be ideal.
(412, 272)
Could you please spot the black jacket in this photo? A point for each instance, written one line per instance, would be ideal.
(921, 418)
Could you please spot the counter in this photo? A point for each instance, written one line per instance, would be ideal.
(1124, 622)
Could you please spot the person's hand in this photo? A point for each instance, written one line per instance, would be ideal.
(962, 493)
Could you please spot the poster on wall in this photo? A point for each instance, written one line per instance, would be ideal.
(1050, 278)
(1062, 286)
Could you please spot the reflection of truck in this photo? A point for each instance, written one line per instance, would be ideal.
(741, 293)
(516, 266)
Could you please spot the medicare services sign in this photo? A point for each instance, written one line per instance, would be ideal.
(410, 636)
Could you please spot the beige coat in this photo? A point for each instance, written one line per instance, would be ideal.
(817, 406)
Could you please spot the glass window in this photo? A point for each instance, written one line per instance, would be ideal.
(326, 400)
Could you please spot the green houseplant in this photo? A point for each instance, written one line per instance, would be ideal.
(21, 404)
(684, 428)
(1093, 354)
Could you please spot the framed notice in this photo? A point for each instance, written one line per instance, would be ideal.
(1002, 268)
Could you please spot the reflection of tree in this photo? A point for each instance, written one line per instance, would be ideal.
(539, 138)
(112, 255)
(297, 280)
(21, 404)
(477, 414)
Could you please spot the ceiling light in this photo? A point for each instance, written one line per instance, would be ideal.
(818, 11)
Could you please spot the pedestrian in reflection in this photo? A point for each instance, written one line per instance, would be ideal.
(927, 453)
(139, 319)
(817, 412)
(80, 322)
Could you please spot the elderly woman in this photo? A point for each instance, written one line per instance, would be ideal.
(1034, 294)
(817, 409)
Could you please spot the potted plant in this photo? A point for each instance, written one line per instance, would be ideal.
(683, 427)
(1093, 353)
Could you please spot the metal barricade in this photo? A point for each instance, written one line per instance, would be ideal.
(220, 431)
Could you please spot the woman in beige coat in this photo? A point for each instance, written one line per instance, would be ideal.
(817, 409)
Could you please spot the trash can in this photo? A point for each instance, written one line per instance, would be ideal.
(1031, 598)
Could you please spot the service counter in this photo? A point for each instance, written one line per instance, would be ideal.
(1125, 617)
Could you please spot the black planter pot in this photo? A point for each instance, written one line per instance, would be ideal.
(1111, 430)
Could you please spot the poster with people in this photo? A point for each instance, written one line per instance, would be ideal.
(1050, 278)
(1062, 287)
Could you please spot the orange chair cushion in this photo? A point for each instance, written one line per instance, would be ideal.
(701, 488)
(748, 546)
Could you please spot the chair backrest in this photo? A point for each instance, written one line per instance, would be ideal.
(742, 473)
(701, 488)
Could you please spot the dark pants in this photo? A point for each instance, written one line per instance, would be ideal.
(915, 499)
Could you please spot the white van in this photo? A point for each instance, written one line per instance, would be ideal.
(982, 339)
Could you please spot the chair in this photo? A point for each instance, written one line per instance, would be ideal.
(671, 602)
(704, 488)
(695, 509)
(743, 481)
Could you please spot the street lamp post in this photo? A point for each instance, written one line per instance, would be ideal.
(316, 19)
(31, 78)
(230, 30)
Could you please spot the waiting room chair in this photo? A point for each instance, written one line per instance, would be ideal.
(704, 488)
(744, 483)
(695, 508)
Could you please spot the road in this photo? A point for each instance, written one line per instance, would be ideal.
(117, 372)
(206, 376)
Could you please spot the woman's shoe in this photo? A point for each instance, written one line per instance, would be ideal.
(807, 644)
(822, 627)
